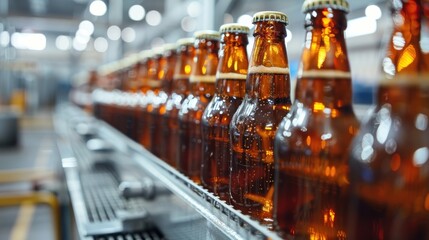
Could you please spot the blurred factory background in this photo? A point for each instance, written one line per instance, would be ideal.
(46, 46)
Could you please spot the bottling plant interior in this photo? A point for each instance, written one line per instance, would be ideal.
(214, 119)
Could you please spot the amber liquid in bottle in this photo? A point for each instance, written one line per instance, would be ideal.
(312, 141)
(254, 124)
(165, 75)
(389, 159)
(147, 102)
(180, 86)
(202, 85)
(230, 91)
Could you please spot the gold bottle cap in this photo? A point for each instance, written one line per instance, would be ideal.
(145, 54)
(169, 47)
(185, 41)
(270, 16)
(207, 34)
(317, 4)
(234, 27)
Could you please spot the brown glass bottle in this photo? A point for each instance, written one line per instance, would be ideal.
(182, 71)
(311, 143)
(254, 124)
(230, 90)
(165, 75)
(202, 88)
(142, 102)
(389, 177)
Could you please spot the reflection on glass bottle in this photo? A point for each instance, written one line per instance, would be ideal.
(312, 141)
(389, 168)
(202, 88)
(230, 90)
(254, 124)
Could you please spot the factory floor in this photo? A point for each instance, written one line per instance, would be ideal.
(29, 170)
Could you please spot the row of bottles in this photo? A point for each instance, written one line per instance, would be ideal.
(306, 169)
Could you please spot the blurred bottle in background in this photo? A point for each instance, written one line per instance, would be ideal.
(202, 88)
(180, 85)
(389, 176)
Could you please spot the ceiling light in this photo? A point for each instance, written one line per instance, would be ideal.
(29, 41)
(153, 18)
(97, 8)
(78, 46)
(4, 39)
(373, 11)
(355, 29)
(188, 24)
(63, 42)
(87, 27)
(245, 20)
(136, 12)
(128, 35)
(101, 44)
(114, 33)
(194, 9)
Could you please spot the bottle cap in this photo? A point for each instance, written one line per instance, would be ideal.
(145, 54)
(207, 34)
(185, 41)
(234, 27)
(318, 4)
(270, 16)
(169, 47)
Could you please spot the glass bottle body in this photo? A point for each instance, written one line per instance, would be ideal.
(389, 158)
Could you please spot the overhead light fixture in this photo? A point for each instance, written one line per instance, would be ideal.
(136, 12)
(194, 9)
(373, 12)
(153, 18)
(114, 33)
(4, 38)
(97, 8)
(128, 34)
(245, 20)
(101, 44)
(63, 42)
(79, 46)
(355, 29)
(188, 24)
(29, 41)
(87, 27)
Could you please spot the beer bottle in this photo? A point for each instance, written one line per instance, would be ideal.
(165, 75)
(143, 79)
(312, 141)
(182, 71)
(389, 179)
(230, 90)
(202, 88)
(154, 85)
(254, 124)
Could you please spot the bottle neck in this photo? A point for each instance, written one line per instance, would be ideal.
(324, 77)
(404, 67)
(269, 67)
(233, 65)
(203, 76)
